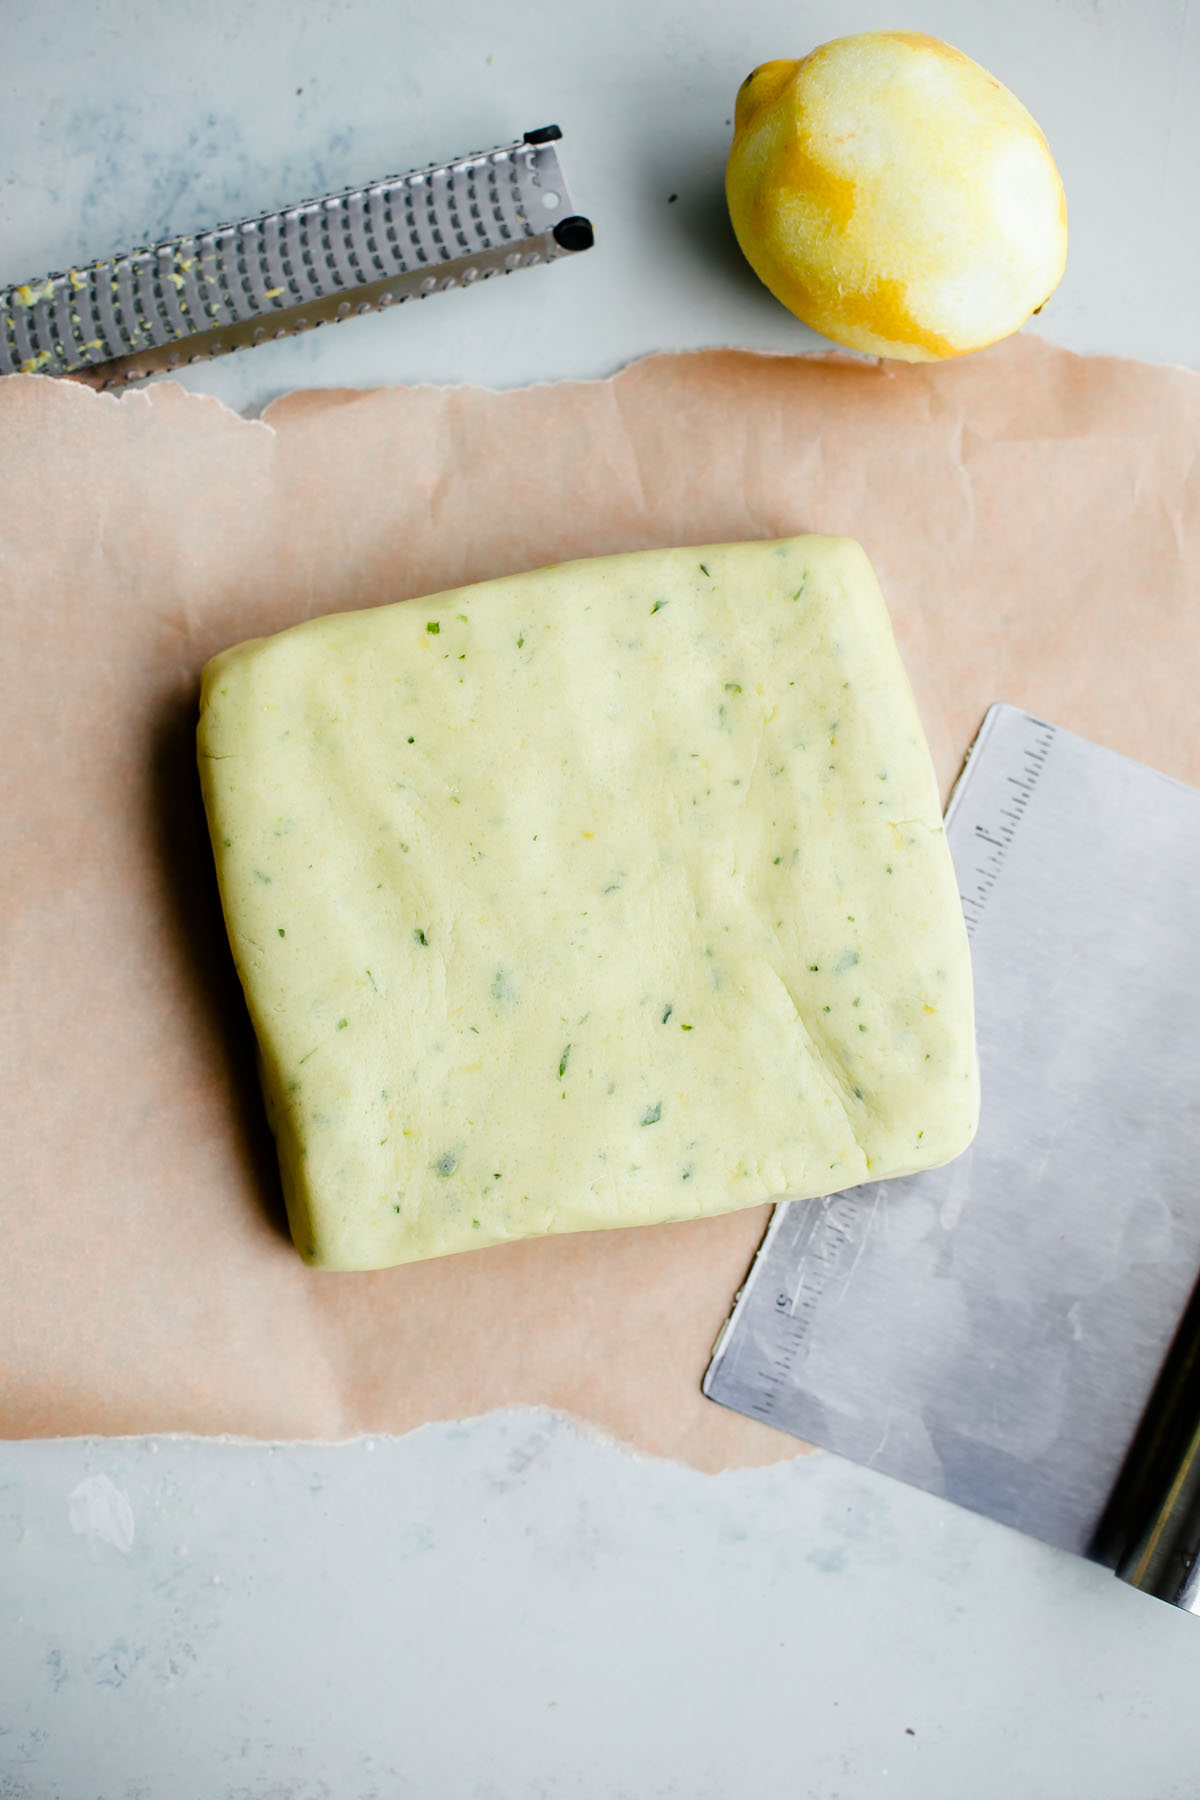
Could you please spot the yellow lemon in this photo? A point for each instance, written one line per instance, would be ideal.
(895, 196)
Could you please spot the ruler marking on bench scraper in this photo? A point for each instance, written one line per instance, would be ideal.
(1000, 825)
(840, 1227)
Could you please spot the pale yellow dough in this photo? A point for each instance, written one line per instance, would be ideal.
(604, 895)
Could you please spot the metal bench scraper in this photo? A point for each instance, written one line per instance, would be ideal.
(1017, 1331)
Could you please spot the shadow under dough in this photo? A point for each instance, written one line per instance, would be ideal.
(198, 932)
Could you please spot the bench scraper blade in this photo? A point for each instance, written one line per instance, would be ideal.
(995, 1331)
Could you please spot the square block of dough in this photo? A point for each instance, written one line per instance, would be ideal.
(604, 895)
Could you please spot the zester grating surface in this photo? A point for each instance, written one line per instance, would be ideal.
(408, 236)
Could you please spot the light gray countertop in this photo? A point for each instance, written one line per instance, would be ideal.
(509, 1606)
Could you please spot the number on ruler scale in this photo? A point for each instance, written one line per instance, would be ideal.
(998, 831)
(837, 1227)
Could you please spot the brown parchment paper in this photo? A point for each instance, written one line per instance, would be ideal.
(1035, 521)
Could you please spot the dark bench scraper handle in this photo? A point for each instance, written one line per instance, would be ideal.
(1150, 1533)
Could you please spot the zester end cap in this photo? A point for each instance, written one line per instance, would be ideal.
(545, 134)
(574, 233)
